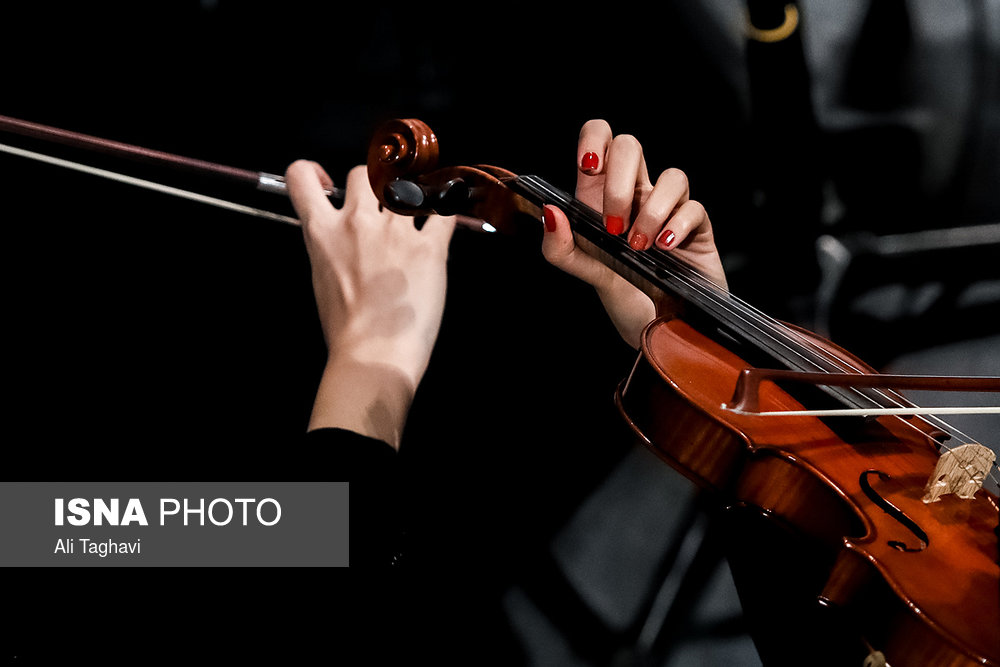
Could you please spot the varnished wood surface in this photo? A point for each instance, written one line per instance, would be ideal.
(945, 602)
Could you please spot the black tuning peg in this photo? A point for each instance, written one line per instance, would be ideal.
(453, 197)
(407, 196)
(402, 194)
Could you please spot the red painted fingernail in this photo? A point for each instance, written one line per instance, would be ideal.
(548, 219)
(667, 238)
(590, 162)
(639, 241)
(614, 224)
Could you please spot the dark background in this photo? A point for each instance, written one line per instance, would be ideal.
(158, 337)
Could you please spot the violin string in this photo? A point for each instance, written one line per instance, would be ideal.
(889, 398)
(707, 294)
(771, 326)
(723, 302)
(728, 304)
(778, 330)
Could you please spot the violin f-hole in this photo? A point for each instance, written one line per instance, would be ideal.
(894, 512)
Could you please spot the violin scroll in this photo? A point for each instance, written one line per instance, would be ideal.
(401, 149)
(404, 175)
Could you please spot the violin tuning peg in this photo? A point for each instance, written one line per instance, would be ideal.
(452, 197)
(402, 194)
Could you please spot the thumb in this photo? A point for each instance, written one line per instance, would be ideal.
(561, 250)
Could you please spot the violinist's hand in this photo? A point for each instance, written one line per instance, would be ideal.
(613, 179)
(380, 288)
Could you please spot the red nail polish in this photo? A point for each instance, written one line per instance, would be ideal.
(590, 162)
(614, 224)
(548, 219)
(667, 238)
(638, 241)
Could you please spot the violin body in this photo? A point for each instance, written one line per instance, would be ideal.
(926, 598)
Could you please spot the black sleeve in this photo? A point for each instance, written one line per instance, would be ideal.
(372, 468)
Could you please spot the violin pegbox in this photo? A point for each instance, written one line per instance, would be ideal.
(961, 471)
(404, 175)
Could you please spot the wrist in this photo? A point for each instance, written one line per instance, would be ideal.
(404, 357)
(368, 397)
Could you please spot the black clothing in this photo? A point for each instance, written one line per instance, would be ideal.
(372, 468)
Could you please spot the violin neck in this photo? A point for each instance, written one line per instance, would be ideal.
(657, 272)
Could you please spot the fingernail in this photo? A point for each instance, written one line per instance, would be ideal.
(548, 219)
(590, 162)
(638, 241)
(667, 238)
(614, 224)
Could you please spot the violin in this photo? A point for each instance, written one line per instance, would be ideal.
(774, 418)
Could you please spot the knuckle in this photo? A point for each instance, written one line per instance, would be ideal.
(627, 140)
(675, 175)
(298, 167)
(617, 202)
(594, 125)
(695, 212)
(556, 253)
(647, 223)
(694, 217)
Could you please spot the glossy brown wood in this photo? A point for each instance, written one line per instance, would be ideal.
(944, 606)
(407, 149)
(924, 597)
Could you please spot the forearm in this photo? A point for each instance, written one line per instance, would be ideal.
(371, 399)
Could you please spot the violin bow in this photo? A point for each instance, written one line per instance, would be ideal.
(259, 180)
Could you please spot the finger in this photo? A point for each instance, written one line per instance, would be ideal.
(671, 190)
(440, 228)
(591, 154)
(359, 190)
(688, 218)
(306, 181)
(625, 169)
(595, 136)
(559, 248)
